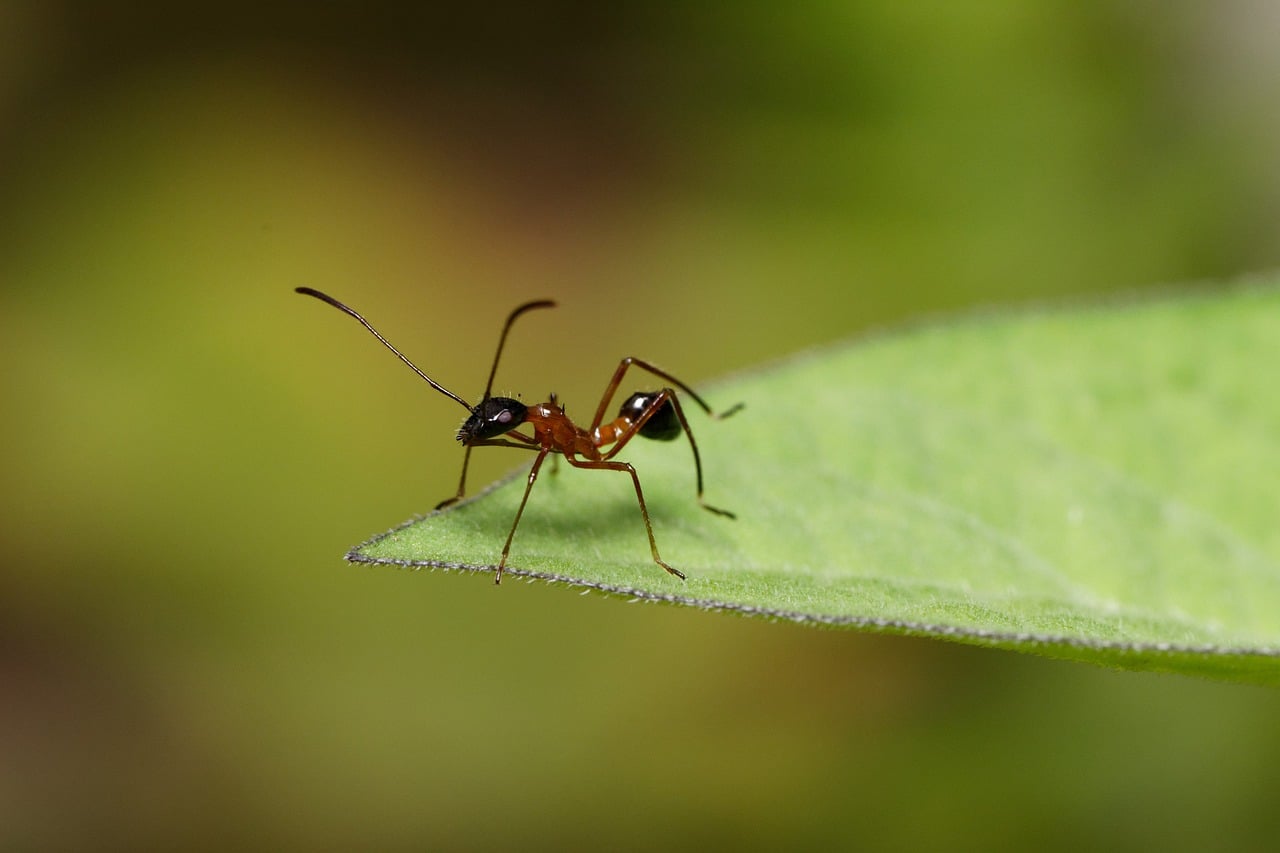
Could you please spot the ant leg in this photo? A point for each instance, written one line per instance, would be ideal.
(697, 459)
(644, 510)
(533, 475)
(555, 460)
(616, 382)
(462, 483)
(669, 396)
(529, 444)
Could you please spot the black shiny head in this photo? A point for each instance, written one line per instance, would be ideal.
(491, 418)
(662, 424)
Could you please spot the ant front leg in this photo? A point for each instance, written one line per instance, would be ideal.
(644, 510)
(462, 482)
(528, 444)
(668, 397)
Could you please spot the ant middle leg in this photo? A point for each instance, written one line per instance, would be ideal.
(506, 548)
(602, 464)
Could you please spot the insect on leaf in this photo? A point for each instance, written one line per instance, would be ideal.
(1100, 484)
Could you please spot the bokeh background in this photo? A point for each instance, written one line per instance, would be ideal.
(188, 447)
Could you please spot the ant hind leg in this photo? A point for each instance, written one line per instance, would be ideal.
(644, 510)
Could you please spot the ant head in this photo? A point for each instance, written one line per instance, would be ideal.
(492, 417)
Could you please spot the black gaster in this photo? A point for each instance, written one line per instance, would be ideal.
(661, 426)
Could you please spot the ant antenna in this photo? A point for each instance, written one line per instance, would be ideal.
(324, 297)
(493, 371)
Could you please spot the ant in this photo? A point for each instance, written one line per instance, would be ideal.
(493, 422)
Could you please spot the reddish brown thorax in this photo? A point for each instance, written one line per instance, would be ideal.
(553, 429)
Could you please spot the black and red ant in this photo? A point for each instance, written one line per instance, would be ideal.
(494, 420)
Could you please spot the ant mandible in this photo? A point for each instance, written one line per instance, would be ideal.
(493, 422)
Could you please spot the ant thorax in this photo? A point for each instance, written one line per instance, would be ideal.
(553, 428)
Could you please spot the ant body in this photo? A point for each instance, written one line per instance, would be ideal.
(493, 422)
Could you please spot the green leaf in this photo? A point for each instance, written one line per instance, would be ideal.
(1098, 484)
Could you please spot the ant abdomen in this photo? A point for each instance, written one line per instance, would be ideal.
(662, 424)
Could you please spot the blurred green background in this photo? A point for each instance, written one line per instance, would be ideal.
(189, 447)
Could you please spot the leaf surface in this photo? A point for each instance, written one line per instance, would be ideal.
(1098, 484)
